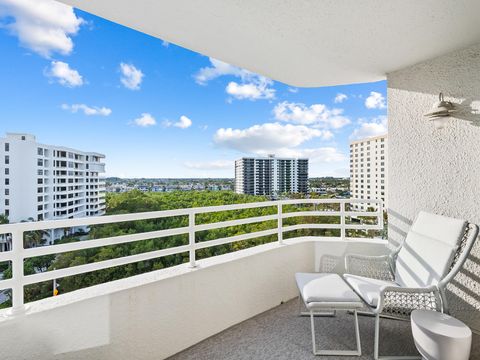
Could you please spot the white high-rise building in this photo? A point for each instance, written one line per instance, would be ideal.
(271, 176)
(46, 182)
(368, 170)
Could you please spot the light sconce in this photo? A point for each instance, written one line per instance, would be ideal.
(440, 112)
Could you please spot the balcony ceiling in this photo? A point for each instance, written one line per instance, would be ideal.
(304, 43)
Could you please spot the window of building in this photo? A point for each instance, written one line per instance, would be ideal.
(7, 171)
(7, 147)
(23, 138)
(7, 192)
(7, 181)
(7, 159)
(7, 202)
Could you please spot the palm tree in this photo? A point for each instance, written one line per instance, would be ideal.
(33, 238)
(3, 219)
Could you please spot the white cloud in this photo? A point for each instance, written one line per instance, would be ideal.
(293, 90)
(252, 91)
(131, 76)
(210, 165)
(340, 98)
(87, 110)
(375, 101)
(182, 123)
(316, 115)
(165, 43)
(315, 155)
(372, 127)
(64, 74)
(252, 86)
(44, 26)
(145, 120)
(267, 138)
(219, 68)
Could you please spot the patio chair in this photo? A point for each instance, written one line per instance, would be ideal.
(415, 275)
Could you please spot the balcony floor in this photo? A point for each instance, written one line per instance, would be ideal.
(281, 334)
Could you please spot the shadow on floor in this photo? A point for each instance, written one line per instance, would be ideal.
(281, 334)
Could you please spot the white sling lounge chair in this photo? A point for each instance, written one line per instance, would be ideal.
(414, 276)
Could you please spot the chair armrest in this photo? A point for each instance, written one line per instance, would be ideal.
(375, 267)
(401, 301)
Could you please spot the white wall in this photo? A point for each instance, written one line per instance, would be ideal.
(437, 170)
(155, 315)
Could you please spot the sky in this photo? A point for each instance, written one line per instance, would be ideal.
(159, 110)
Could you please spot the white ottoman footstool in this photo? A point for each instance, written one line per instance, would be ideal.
(439, 336)
(327, 292)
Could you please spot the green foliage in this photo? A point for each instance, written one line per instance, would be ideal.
(136, 201)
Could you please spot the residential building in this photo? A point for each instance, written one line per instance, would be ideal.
(368, 170)
(271, 176)
(46, 182)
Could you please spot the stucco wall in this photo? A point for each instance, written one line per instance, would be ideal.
(437, 170)
(155, 315)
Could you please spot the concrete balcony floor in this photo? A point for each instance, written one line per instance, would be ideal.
(281, 334)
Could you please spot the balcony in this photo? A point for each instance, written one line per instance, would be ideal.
(206, 295)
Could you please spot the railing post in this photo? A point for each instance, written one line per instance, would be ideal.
(18, 303)
(280, 223)
(191, 239)
(381, 225)
(342, 220)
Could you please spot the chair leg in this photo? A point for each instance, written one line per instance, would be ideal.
(377, 335)
(357, 335)
(376, 346)
(312, 324)
(357, 352)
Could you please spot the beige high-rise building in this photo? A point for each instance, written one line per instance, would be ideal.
(368, 170)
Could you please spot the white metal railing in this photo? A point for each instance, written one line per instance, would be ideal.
(18, 254)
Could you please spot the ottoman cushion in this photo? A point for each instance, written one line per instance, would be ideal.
(329, 288)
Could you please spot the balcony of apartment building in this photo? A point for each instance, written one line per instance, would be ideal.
(244, 304)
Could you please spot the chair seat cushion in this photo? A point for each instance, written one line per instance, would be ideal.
(324, 288)
(368, 289)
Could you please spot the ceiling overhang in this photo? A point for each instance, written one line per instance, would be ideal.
(304, 43)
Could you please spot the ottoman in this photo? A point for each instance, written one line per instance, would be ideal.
(321, 292)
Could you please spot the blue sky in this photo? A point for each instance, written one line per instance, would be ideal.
(159, 110)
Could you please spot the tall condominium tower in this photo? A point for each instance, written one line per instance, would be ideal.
(271, 176)
(45, 182)
(368, 170)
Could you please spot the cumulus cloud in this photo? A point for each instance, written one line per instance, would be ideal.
(87, 110)
(64, 74)
(375, 101)
(316, 115)
(293, 90)
(315, 155)
(340, 98)
(210, 165)
(370, 127)
(43, 26)
(182, 123)
(145, 120)
(258, 89)
(219, 68)
(252, 86)
(267, 138)
(131, 76)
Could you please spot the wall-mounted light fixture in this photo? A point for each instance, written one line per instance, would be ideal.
(440, 112)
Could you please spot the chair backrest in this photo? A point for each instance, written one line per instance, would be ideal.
(428, 251)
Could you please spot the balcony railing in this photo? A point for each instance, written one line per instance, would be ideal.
(335, 207)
